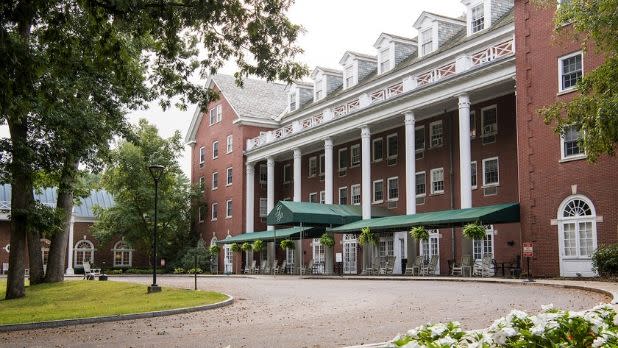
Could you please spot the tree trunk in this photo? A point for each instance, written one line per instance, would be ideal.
(35, 256)
(58, 248)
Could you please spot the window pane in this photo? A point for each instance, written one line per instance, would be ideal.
(420, 184)
(393, 188)
(569, 239)
(377, 191)
(392, 146)
(585, 239)
(377, 149)
(491, 172)
(571, 71)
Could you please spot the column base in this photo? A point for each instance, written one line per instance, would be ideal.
(154, 288)
(69, 271)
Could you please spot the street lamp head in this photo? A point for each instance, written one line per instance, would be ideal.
(156, 170)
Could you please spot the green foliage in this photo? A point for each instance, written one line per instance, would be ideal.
(214, 249)
(179, 270)
(195, 270)
(419, 233)
(203, 257)
(235, 247)
(258, 245)
(246, 246)
(287, 244)
(327, 240)
(113, 271)
(595, 109)
(605, 260)
(474, 231)
(367, 237)
(143, 271)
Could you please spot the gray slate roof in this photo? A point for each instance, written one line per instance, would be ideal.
(48, 196)
(256, 99)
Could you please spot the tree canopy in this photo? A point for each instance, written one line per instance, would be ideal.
(595, 110)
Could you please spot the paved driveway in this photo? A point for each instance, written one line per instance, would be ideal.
(292, 312)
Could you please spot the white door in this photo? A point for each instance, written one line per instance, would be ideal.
(349, 254)
(228, 259)
(431, 247)
(577, 235)
(318, 255)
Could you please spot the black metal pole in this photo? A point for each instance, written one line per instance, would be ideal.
(195, 272)
(154, 287)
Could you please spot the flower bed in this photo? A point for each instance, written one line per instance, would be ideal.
(550, 328)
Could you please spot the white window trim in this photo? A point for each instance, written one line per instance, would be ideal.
(265, 205)
(473, 163)
(373, 150)
(321, 168)
(227, 205)
(431, 146)
(313, 194)
(352, 148)
(473, 132)
(286, 168)
(497, 167)
(229, 143)
(263, 169)
(431, 181)
(470, 24)
(214, 185)
(415, 183)
(564, 158)
(84, 250)
(229, 179)
(319, 87)
(200, 216)
(562, 90)
(394, 135)
(202, 155)
(213, 209)
(360, 194)
(202, 184)
(388, 188)
(215, 156)
(127, 249)
(494, 106)
(322, 197)
(349, 67)
(339, 157)
(424, 139)
(315, 164)
(422, 41)
(373, 191)
(385, 51)
(576, 219)
(489, 231)
(346, 195)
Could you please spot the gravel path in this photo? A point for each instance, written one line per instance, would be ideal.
(292, 312)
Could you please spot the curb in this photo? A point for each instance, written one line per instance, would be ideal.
(119, 317)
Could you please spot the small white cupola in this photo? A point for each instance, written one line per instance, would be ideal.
(392, 49)
(300, 93)
(356, 66)
(434, 30)
(480, 14)
(325, 81)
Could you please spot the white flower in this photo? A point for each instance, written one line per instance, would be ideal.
(438, 330)
(412, 333)
(517, 314)
(548, 307)
(598, 342)
(501, 336)
(412, 344)
(448, 340)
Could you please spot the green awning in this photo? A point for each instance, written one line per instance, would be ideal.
(493, 214)
(284, 233)
(293, 213)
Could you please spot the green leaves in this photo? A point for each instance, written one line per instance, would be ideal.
(258, 245)
(474, 231)
(327, 240)
(419, 233)
(287, 244)
(367, 237)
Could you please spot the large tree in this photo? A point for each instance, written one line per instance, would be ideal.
(128, 179)
(54, 53)
(594, 23)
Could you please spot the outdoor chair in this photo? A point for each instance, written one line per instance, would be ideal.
(89, 272)
(253, 268)
(307, 268)
(466, 264)
(279, 269)
(247, 269)
(430, 267)
(415, 268)
(265, 268)
(374, 267)
(484, 268)
(391, 262)
(262, 266)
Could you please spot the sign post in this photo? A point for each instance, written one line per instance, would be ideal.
(528, 253)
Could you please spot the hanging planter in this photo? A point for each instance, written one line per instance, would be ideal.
(419, 233)
(258, 245)
(474, 231)
(367, 237)
(235, 247)
(214, 249)
(246, 246)
(327, 240)
(287, 244)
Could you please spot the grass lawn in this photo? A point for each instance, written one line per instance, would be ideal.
(82, 299)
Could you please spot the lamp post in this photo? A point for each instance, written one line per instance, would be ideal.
(156, 171)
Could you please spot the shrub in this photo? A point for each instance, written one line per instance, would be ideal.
(605, 260)
(258, 246)
(474, 231)
(214, 249)
(287, 244)
(327, 240)
(143, 271)
(114, 271)
(195, 270)
(179, 270)
(203, 257)
(246, 246)
(419, 233)
(235, 247)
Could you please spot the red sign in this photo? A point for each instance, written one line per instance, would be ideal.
(528, 250)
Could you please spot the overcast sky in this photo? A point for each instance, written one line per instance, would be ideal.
(332, 27)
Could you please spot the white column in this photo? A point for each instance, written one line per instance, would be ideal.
(297, 176)
(366, 172)
(270, 187)
(328, 171)
(250, 198)
(410, 163)
(69, 270)
(464, 152)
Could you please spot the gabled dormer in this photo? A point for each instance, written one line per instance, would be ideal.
(325, 81)
(480, 14)
(392, 49)
(356, 66)
(434, 30)
(300, 93)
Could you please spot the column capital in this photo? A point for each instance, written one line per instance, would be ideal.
(270, 161)
(410, 119)
(464, 100)
(250, 167)
(328, 142)
(297, 153)
(365, 132)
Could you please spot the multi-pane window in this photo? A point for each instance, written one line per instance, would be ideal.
(263, 207)
(122, 254)
(436, 133)
(202, 184)
(378, 191)
(355, 194)
(472, 124)
(263, 174)
(229, 176)
(355, 155)
(215, 114)
(571, 70)
(427, 40)
(378, 149)
(570, 142)
(419, 141)
(228, 208)
(385, 60)
(322, 197)
(215, 180)
(202, 156)
(391, 146)
(313, 197)
(489, 122)
(473, 174)
(478, 18)
(491, 172)
(318, 89)
(578, 224)
(483, 247)
(201, 213)
(343, 158)
(213, 211)
(322, 164)
(349, 76)
(287, 173)
(229, 143)
(343, 195)
(421, 189)
(313, 166)
(392, 185)
(215, 149)
(83, 252)
(437, 180)
(293, 101)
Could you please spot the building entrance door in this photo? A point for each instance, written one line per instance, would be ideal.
(349, 254)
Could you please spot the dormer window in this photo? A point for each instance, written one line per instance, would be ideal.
(427, 41)
(349, 76)
(292, 101)
(319, 93)
(385, 60)
(478, 19)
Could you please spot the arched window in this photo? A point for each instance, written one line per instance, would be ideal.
(577, 227)
(123, 254)
(84, 252)
(213, 241)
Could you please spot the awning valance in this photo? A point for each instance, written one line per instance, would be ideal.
(493, 214)
(316, 214)
(284, 233)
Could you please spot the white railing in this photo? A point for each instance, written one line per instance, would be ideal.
(453, 68)
(5, 205)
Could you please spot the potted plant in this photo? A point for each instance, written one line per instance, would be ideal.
(327, 240)
(235, 247)
(246, 247)
(258, 246)
(287, 244)
(419, 233)
(474, 231)
(368, 238)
